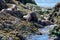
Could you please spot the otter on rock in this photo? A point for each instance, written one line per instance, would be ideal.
(31, 17)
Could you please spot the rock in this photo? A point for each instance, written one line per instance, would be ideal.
(14, 32)
(57, 6)
(32, 7)
(51, 19)
(2, 4)
(46, 29)
(53, 38)
(38, 25)
(27, 1)
(44, 22)
(9, 1)
(6, 26)
(12, 8)
(57, 38)
(0, 37)
(20, 37)
(55, 13)
(13, 11)
(10, 38)
(17, 14)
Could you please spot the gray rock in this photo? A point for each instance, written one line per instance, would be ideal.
(2, 4)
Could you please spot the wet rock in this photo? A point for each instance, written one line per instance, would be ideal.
(38, 25)
(58, 38)
(44, 23)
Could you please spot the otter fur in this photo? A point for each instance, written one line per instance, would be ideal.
(31, 17)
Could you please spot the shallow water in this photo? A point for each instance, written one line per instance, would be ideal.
(39, 37)
(45, 33)
(46, 29)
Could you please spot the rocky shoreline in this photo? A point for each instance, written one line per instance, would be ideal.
(22, 19)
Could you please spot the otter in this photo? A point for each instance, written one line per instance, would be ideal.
(31, 17)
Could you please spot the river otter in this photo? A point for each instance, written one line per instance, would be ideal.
(31, 17)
